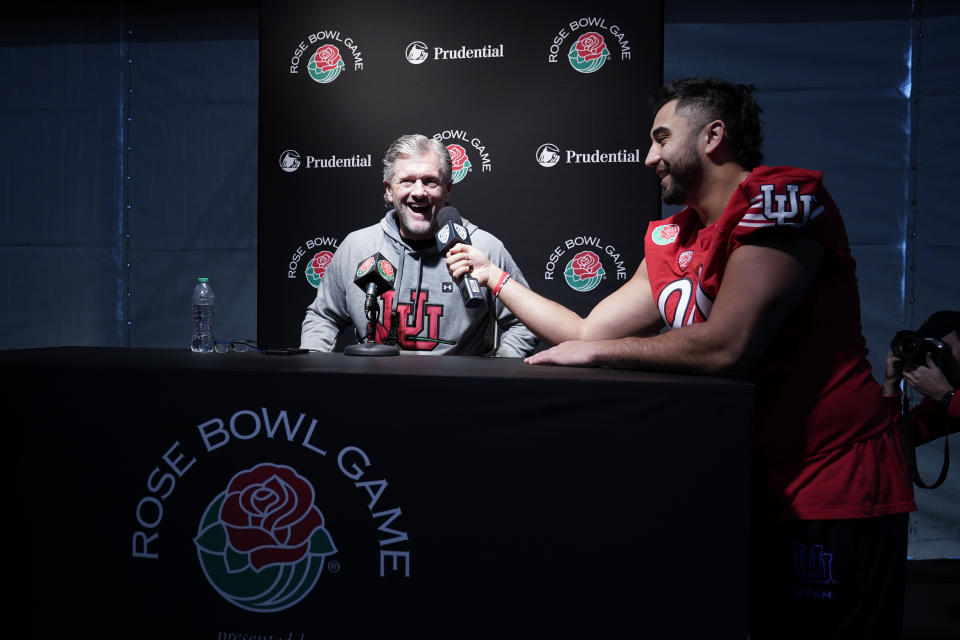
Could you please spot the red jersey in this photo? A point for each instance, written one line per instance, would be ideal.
(824, 442)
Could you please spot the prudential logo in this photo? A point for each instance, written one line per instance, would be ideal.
(417, 52)
(548, 155)
(290, 160)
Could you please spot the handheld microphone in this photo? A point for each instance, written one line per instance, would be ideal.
(450, 232)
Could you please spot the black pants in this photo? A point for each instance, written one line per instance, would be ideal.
(828, 579)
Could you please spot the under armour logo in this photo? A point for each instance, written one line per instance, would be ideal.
(812, 563)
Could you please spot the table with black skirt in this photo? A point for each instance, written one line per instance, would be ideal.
(162, 493)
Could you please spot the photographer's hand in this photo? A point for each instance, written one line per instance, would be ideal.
(927, 379)
(894, 373)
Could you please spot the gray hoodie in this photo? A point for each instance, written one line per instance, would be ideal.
(439, 312)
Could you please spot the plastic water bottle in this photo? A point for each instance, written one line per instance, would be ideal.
(203, 299)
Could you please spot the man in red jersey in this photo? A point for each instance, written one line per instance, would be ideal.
(754, 278)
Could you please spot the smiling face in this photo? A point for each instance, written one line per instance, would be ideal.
(417, 191)
(675, 154)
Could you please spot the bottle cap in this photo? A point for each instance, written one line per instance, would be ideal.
(203, 279)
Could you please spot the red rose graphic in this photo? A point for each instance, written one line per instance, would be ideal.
(327, 57)
(586, 264)
(269, 512)
(365, 266)
(458, 156)
(590, 46)
(669, 231)
(386, 269)
(320, 263)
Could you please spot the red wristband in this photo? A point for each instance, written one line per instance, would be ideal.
(502, 281)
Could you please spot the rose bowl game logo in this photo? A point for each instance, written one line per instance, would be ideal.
(588, 53)
(590, 40)
(460, 161)
(457, 142)
(311, 259)
(665, 234)
(262, 543)
(317, 267)
(326, 64)
(365, 266)
(386, 270)
(584, 272)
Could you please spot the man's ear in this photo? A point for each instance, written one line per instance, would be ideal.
(713, 131)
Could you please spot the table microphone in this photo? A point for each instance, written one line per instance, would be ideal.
(375, 276)
(451, 231)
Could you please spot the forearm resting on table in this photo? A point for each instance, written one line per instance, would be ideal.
(691, 349)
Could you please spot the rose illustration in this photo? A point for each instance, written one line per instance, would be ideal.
(320, 262)
(386, 269)
(458, 156)
(365, 266)
(584, 272)
(670, 231)
(588, 53)
(269, 512)
(317, 267)
(591, 46)
(325, 65)
(459, 161)
(586, 264)
(665, 234)
(261, 543)
(327, 58)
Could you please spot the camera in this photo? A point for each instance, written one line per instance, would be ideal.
(913, 348)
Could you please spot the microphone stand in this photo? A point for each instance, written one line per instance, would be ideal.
(371, 347)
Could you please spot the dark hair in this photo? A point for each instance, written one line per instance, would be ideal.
(716, 99)
(940, 323)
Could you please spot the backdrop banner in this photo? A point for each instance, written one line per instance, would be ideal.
(543, 109)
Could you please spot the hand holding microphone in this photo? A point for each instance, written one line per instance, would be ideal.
(450, 233)
(465, 260)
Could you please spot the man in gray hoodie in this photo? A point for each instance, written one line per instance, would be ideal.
(424, 312)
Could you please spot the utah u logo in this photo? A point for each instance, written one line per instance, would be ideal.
(812, 563)
(423, 323)
(788, 210)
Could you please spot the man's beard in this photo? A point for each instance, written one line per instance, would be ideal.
(414, 228)
(685, 171)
